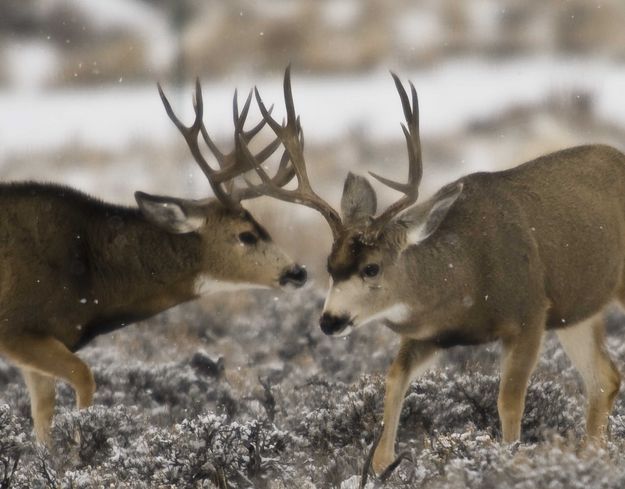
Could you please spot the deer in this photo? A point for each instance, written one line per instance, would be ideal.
(491, 257)
(74, 267)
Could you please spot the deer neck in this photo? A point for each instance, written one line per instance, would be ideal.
(149, 267)
(438, 278)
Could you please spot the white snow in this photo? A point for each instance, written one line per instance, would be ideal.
(29, 63)
(330, 107)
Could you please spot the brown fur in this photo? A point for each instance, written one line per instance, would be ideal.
(540, 246)
(74, 267)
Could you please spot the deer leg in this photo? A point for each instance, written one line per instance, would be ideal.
(584, 344)
(413, 359)
(519, 359)
(42, 394)
(48, 356)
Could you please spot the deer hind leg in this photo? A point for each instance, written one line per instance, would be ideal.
(520, 353)
(584, 344)
(412, 359)
(42, 397)
(48, 356)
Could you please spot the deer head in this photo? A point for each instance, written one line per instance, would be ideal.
(365, 263)
(238, 251)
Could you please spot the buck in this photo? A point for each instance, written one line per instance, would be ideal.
(500, 256)
(74, 267)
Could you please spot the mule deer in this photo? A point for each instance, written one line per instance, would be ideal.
(499, 256)
(74, 267)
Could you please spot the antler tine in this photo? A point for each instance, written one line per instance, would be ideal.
(291, 136)
(239, 122)
(191, 134)
(170, 112)
(415, 163)
(284, 175)
(231, 164)
(239, 119)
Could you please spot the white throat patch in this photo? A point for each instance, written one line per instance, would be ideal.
(347, 331)
(205, 285)
(397, 313)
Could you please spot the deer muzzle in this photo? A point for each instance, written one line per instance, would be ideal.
(332, 324)
(294, 275)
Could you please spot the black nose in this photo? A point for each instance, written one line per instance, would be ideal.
(331, 324)
(295, 275)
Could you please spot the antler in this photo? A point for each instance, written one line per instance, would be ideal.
(231, 164)
(415, 165)
(292, 138)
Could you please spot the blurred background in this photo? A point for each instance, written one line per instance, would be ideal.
(500, 82)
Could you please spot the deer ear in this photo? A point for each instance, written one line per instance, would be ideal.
(423, 219)
(358, 201)
(173, 215)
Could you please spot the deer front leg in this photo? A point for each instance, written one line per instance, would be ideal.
(520, 353)
(47, 356)
(42, 397)
(412, 360)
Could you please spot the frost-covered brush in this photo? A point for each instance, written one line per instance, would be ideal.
(499, 256)
(74, 267)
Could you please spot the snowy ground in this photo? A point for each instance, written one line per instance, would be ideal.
(287, 407)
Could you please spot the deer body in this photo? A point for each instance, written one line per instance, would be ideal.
(518, 241)
(74, 267)
(537, 247)
(498, 256)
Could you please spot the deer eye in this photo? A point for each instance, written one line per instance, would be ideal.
(371, 270)
(248, 238)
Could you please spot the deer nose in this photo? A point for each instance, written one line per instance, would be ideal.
(331, 324)
(295, 275)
